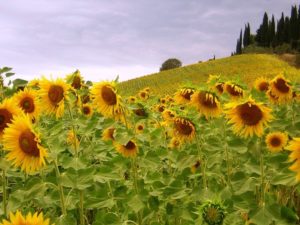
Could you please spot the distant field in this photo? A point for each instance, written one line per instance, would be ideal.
(247, 67)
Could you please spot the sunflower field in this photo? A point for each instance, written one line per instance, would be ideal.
(213, 153)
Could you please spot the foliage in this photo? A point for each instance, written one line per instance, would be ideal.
(170, 64)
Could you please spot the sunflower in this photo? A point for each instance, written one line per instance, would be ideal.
(75, 79)
(147, 89)
(163, 100)
(261, 84)
(27, 100)
(294, 157)
(19, 219)
(248, 118)
(128, 150)
(23, 145)
(183, 96)
(53, 94)
(87, 110)
(174, 143)
(72, 139)
(234, 90)
(276, 141)
(143, 95)
(220, 87)
(85, 99)
(140, 111)
(281, 89)
(195, 166)
(206, 103)
(168, 115)
(183, 129)
(139, 128)
(7, 111)
(108, 134)
(132, 99)
(160, 108)
(33, 83)
(106, 99)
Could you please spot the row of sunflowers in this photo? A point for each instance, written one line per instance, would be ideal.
(218, 153)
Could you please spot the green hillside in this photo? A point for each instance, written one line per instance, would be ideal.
(247, 67)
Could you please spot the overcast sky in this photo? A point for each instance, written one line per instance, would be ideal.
(128, 38)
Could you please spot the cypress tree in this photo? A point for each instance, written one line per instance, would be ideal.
(239, 44)
(265, 31)
(246, 40)
(272, 33)
(298, 24)
(293, 23)
(241, 40)
(280, 30)
(287, 35)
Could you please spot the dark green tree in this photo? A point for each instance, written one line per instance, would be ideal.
(247, 36)
(280, 30)
(239, 44)
(171, 63)
(265, 31)
(272, 32)
(287, 33)
(293, 23)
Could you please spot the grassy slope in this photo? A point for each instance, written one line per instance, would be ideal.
(247, 67)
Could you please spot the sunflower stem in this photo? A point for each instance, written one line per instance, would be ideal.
(202, 163)
(134, 168)
(226, 154)
(262, 173)
(4, 184)
(81, 211)
(61, 190)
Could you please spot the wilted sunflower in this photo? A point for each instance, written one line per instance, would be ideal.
(281, 89)
(108, 134)
(75, 79)
(248, 118)
(206, 103)
(19, 219)
(294, 157)
(213, 213)
(143, 95)
(87, 110)
(105, 98)
(261, 84)
(220, 87)
(53, 94)
(174, 143)
(27, 100)
(195, 166)
(272, 98)
(183, 95)
(183, 129)
(85, 99)
(128, 150)
(23, 145)
(276, 141)
(234, 90)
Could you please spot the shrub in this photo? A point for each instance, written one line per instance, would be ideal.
(170, 64)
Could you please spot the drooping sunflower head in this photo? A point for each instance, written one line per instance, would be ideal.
(234, 90)
(53, 94)
(206, 103)
(261, 84)
(143, 95)
(23, 145)
(294, 147)
(27, 100)
(213, 213)
(87, 110)
(168, 115)
(7, 111)
(105, 98)
(183, 129)
(108, 134)
(85, 98)
(174, 143)
(195, 166)
(219, 87)
(212, 79)
(281, 89)
(140, 111)
(29, 219)
(130, 149)
(75, 80)
(272, 98)
(33, 83)
(248, 118)
(276, 141)
(183, 96)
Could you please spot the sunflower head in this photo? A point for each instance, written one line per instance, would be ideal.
(87, 110)
(160, 108)
(139, 128)
(276, 141)
(248, 118)
(27, 100)
(281, 89)
(29, 219)
(195, 166)
(163, 100)
(75, 79)
(261, 84)
(207, 103)
(130, 149)
(23, 145)
(143, 95)
(33, 83)
(183, 95)
(174, 143)
(234, 90)
(147, 89)
(132, 99)
(213, 213)
(294, 147)
(85, 99)
(183, 129)
(168, 115)
(108, 134)
(72, 139)
(219, 87)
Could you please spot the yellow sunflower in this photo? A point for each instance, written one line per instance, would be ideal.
(174, 143)
(128, 150)
(147, 89)
(206, 103)
(261, 84)
(19, 219)
(272, 98)
(183, 129)
(23, 145)
(75, 79)
(160, 108)
(219, 87)
(183, 95)
(53, 94)
(234, 90)
(87, 110)
(132, 99)
(294, 156)
(143, 95)
(7, 111)
(85, 99)
(168, 115)
(276, 141)
(106, 99)
(195, 166)
(139, 128)
(281, 89)
(248, 118)
(72, 139)
(108, 134)
(33, 83)
(27, 100)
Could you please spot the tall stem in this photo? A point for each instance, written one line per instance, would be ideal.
(81, 207)
(202, 162)
(226, 154)
(134, 168)
(4, 184)
(262, 173)
(61, 190)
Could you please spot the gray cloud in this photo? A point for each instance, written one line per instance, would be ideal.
(129, 38)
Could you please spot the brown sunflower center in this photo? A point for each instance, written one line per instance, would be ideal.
(212, 214)
(108, 95)
(27, 104)
(140, 112)
(76, 82)
(250, 114)
(183, 127)
(220, 87)
(233, 91)
(130, 145)
(86, 110)
(197, 164)
(207, 100)
(187, 94)
(28, 144)
(55, 94)
(140, 127)
(85, 99)
(143, 94)
(263, 86)
(281, 85)
(161, 108)
(5, 118)
(275, 141)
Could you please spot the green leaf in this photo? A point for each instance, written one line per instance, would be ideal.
(9, 74)
(289, 214)
(136, 204)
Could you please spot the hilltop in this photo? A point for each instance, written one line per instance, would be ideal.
(246, 66)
